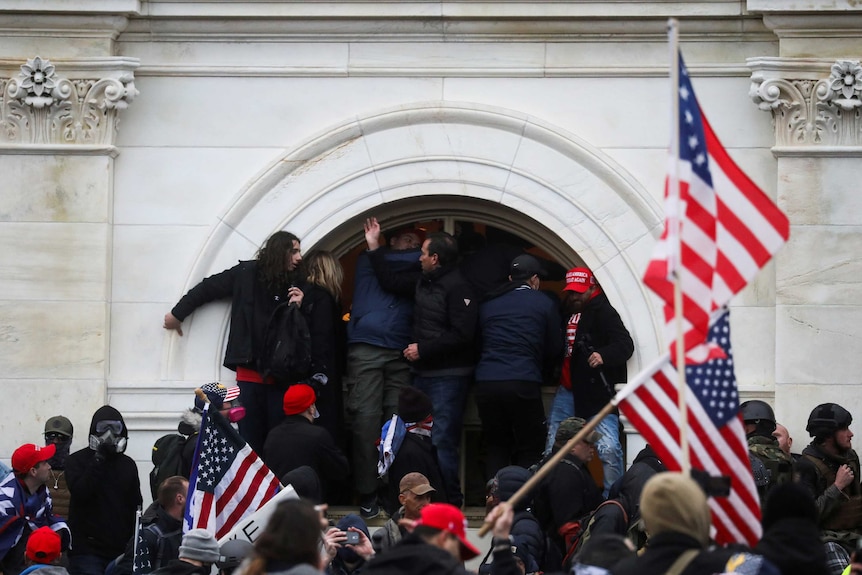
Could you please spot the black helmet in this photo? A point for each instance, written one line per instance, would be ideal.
(826, 419)
(755, 410)
(233, 552)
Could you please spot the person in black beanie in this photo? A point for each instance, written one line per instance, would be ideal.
(417, 453)
(791, 537)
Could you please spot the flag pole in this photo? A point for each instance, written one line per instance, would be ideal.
(550, 463)
(676, 249)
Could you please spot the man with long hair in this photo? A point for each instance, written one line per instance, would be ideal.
(256, 288)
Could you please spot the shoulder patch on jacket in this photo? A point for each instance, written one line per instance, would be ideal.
(467, 301)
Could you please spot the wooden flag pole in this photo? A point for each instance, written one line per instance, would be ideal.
(550, 463)
(673, 188)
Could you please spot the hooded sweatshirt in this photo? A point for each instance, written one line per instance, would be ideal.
(105, 496)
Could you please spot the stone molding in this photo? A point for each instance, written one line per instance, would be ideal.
(39, 106)
(814, 104)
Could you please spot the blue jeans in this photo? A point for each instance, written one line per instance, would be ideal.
(88, 564)
(610, 451)
(448, 395)
(562, 408)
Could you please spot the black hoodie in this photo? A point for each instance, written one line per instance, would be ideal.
(105, 496)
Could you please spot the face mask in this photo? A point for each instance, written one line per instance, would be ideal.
(59, 459)
(109, 442)
(234, 414)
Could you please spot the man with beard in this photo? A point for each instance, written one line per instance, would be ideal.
(598, 346)
(414, 493)
(58, 432)
(106, 493)
(829, 469)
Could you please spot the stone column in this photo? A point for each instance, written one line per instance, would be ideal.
(816, 105)
(59, 110)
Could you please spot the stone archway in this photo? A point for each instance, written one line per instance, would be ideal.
(443, 157)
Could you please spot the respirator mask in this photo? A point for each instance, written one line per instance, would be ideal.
(108, 437)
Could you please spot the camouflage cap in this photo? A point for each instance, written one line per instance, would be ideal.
(570, 427)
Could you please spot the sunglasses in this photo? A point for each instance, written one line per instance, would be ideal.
(55, 436)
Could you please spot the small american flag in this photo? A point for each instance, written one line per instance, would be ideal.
(141, 564)
(716, 435)
(728, 228)
(229, 480)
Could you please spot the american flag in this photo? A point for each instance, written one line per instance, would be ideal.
(729, 228)
(229, 480)
(141, 564)
(716, 436)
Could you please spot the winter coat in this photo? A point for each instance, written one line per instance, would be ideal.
(520, 335)
(296, 442)
(251, 307)
(105, 496)
(600, 329)
(663, 549)
(793, 545)
(377, 316)
(412, 556)
(163, 535)
(838, 510)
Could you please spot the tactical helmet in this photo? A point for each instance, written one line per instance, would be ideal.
(826, 419)
(232, 553)
(755, 409)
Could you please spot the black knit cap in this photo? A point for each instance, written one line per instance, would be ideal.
(413, 405)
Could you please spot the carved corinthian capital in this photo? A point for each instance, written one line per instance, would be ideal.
(38, 106)
(808, 107)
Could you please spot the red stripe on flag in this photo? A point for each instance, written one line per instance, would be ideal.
(245, 503)
(206, 509)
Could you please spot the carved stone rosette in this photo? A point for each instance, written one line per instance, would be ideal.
(40, 107)
(812, 111)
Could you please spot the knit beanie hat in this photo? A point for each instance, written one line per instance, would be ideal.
(413, 405)
(200, 545)
(674, 502)
(298, 398)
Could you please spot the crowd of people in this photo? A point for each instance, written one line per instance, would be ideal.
(432, 316)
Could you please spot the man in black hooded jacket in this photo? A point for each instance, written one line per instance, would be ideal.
(106, 493)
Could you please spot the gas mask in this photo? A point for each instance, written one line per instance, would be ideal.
(108, 437)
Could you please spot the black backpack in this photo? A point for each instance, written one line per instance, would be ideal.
(286, 353)
(167, 459)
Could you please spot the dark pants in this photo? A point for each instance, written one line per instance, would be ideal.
(264, 409)
(448, 396)
(513, 428)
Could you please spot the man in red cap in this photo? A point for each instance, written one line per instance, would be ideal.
(43, 550)
(597, 348)
(296, 441)
(25, 505)
(438, 544)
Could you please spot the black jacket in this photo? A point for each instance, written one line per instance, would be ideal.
(163, 535)
(105, 497)
(412, 556)
(296, 442)
(177, 567)
(599, 329)
(416, 453)
(793, 545)
(663, 549)
(444, 325)
(328, 350)
(566, 494)
(251, 307)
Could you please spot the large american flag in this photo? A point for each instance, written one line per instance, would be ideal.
(716, 436)
(228, 481)
(728, 227)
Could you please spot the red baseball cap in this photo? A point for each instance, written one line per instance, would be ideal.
(579, 280)
(29, 455)
(446, 517)
(43, 546)
(298, 398)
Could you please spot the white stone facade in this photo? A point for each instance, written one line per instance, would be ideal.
(147, 144)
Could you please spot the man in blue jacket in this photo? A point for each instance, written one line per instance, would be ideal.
(521, 340)
(380, 327)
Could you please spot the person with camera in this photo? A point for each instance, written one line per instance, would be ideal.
(106, 493)
(597, 348)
